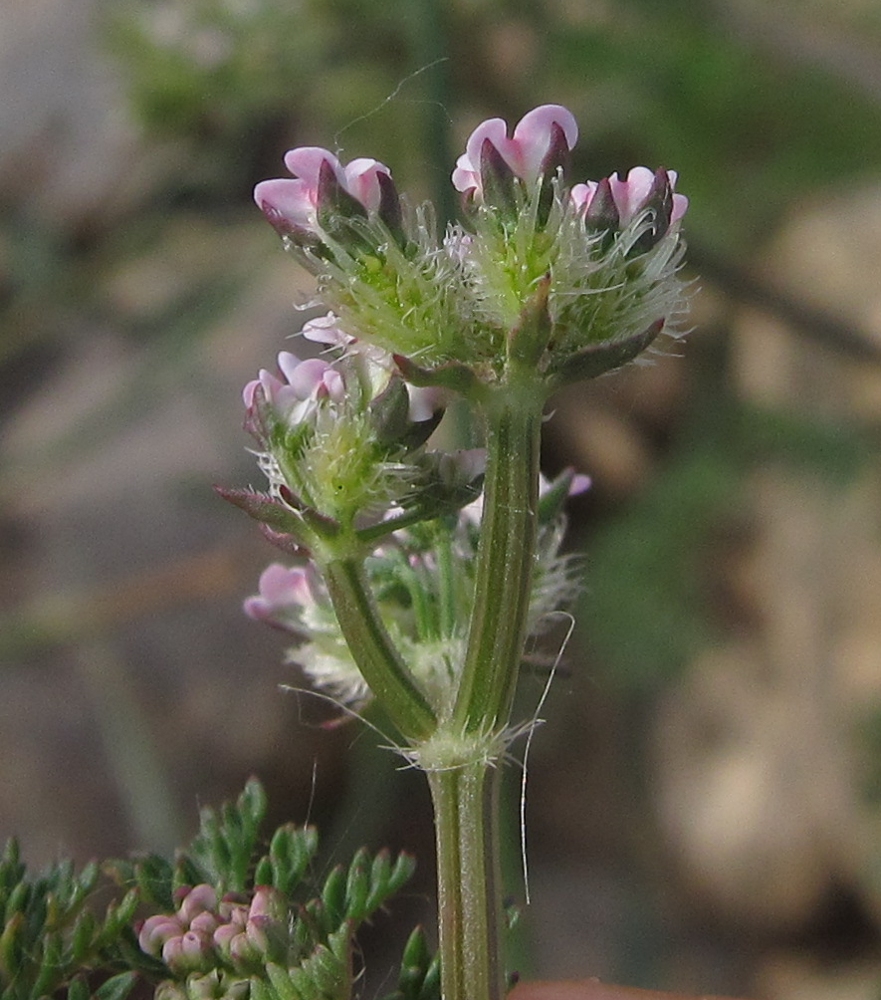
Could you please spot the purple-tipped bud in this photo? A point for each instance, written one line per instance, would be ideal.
(602, 212)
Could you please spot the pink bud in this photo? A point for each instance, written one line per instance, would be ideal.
(224, 935)
(283, 590)
(267, 902)
(155, 931)
(197, 900)
(204, 923)
(186, 953)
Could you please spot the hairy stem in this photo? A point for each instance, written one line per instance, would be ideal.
(373, 650)
(469, 887)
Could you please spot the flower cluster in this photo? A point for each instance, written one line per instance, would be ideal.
(340, 439)
(206, 934)
(423, 577)
(570, 279)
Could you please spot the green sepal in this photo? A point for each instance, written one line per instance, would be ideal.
(358, 886)
(290, 851)
(11, 941)
(260, 990)
(459, 378)
(552, 501)
(227, 840)
(267, 511)
(604, 357)
(85, 930)
(528, 340)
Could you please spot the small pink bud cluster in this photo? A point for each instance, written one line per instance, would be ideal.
(540, 145)
(292, 396)
(205, 933)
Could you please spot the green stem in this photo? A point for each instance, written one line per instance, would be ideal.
(469, 886)
(373, 651)
(504, 563)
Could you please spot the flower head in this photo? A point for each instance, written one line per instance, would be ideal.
(566, 281)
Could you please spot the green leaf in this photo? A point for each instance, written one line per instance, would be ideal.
(333, 896)
(78, 988)
(117, 987)
(282, 983)
(358, 886)
(290, 852)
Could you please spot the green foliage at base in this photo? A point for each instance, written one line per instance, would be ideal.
(296, 940)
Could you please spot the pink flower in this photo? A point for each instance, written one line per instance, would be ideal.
(541, 139)
(327, 330)
(284, 592)
(628, 197)
(292, 400)
(424, 402)
(292, 205)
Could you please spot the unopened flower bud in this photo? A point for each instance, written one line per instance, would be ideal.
(197, 900)
(267, 902)
(156, 930)
(186, 953)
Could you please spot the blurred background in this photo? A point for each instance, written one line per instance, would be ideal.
(704, 802)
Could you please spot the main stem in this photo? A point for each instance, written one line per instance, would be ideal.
(505, 560)
(469, 884)
(465, 794)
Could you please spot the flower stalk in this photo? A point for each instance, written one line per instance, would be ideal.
(373, 651)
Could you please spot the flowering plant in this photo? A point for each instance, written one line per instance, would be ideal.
(420, 574)
(413, 576)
